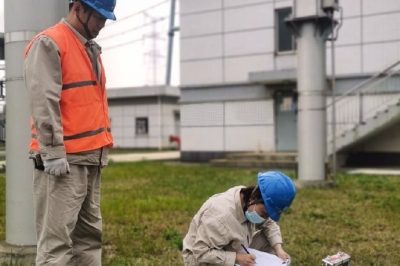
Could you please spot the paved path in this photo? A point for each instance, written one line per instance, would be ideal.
(135, 157)
(174, 155)
(150, 156)
(374, 171)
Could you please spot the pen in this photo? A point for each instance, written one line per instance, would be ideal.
(245, 249)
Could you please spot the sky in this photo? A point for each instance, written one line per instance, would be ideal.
(135, 46)
(2, 15)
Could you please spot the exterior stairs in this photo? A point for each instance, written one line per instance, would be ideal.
(366, 109)
(371, 126)
(259, 160)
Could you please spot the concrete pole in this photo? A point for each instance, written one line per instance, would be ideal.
(311, 26)
(171, 33)
(23, 19)
(160, 119)
(312, 112)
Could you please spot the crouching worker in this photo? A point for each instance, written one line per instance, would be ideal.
(241, 216)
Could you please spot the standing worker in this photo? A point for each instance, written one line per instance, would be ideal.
(240, 217)
(70, 134)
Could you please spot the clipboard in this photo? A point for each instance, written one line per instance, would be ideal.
(267, 259)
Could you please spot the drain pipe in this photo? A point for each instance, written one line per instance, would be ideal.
(23, 19)
(333, 38)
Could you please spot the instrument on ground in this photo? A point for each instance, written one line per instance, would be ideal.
(338, 259)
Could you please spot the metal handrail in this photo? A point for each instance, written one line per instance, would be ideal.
(364, 83)
(349, 115)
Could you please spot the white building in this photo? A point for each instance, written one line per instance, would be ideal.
(238, 79)
(144, 117)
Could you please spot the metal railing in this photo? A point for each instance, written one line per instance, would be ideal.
(364, 101)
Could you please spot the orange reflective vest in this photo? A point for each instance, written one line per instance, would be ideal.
(83, 101)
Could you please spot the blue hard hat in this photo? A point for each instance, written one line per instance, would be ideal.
(277, 191)
(103, 7)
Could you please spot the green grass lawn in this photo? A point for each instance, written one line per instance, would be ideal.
(147, 208)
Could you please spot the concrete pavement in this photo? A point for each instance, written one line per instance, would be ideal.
(149, 156)
(175, 155)
(135, 157)
(374, 171)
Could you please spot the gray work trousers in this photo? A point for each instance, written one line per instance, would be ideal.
(68, 218)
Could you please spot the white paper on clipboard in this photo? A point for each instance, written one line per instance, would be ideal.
(267, 259)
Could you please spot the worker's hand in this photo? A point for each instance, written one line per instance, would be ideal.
(56, 167)
(244, 259)
(281, 253)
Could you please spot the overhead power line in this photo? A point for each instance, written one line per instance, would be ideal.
(137, 13)
(127, 42)
(129, 30)
(122, 44)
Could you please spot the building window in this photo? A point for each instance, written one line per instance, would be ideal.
(285, 40)
(142, 126)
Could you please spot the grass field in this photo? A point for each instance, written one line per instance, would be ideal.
(147, 208)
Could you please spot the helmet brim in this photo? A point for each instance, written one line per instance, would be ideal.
(272, 213)
(104, 13)
(108, 15)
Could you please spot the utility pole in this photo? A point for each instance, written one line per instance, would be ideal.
(154, 55)
(23, 20)
(154, 52)
(312, 26)
(171, 33)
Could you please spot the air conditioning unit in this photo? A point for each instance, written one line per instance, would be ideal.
(330, 5)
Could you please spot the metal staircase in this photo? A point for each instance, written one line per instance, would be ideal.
(365, 109)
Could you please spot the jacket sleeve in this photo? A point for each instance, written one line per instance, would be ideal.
(212, 236)
(272, 231)
(42, 69)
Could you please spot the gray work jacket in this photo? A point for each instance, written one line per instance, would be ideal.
(42, 72)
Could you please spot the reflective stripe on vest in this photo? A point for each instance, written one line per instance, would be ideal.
(83, 102)
(87, 134)
(78, 84)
